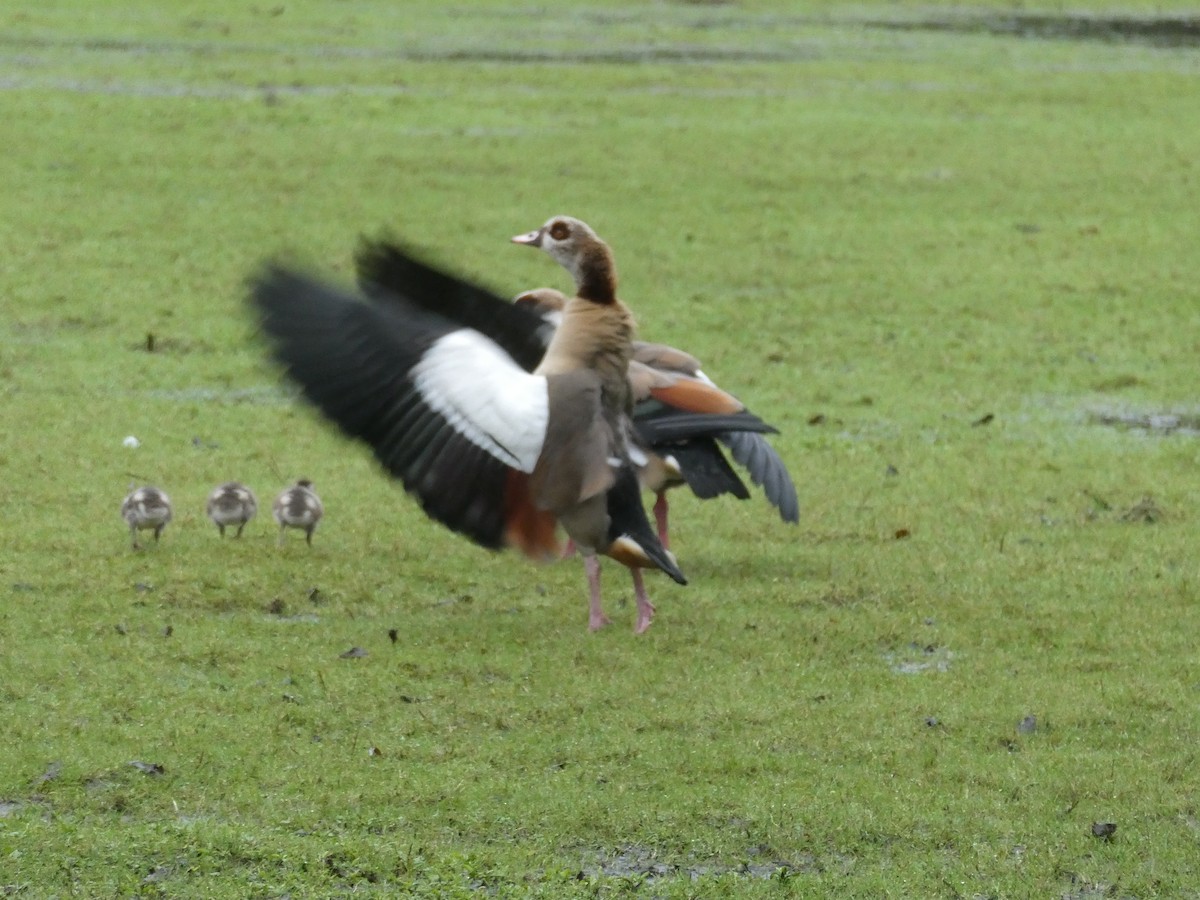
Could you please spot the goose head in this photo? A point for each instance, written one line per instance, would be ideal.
(578, 249)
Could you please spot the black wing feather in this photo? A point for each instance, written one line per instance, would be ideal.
(658, 424)
(352, 361)
(386, 271)
(627, 517)
(706, 470)
(687, 436)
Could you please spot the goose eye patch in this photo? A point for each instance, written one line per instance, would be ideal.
(560, 231)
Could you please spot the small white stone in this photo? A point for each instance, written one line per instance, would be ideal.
(131, 441)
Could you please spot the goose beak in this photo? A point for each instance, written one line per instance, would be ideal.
(531, 238)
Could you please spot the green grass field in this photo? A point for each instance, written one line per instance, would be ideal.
(947, 263)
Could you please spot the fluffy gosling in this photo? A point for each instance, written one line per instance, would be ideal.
(298, 507)
(231, 504)
(146, 508)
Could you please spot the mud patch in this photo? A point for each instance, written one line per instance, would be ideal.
(667, 52)
(1185, 423)
(645, 865)
(1154, 31)
(270, 93)
(255, 396)
(1145, 511)
(649, 53)
(916, 659)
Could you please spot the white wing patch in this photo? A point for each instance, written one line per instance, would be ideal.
(485, 396)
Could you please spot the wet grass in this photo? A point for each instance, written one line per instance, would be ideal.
(937, 261)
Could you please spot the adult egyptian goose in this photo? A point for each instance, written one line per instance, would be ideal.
(298, 507)
(447, 383)
(670, 391)
(231, 504)
(146, 508)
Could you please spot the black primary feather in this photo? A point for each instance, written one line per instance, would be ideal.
(352, 361)
(627, 518)
(386, 270)
(658, 424)
(705, 468)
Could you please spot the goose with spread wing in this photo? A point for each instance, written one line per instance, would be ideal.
(499, 437)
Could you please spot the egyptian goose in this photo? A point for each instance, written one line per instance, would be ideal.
(447, 383)
(669, 391)
(145, 508)
(298, 507)
(231, 504)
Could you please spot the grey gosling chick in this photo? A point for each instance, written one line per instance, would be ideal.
(298, 507)
(231, 504)
(146, 508)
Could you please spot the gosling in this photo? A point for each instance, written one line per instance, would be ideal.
(231, 504)
(146, 508)
(298, 507)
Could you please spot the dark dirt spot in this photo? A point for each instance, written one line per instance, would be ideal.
(1116, 383)
(1145, 511)
(159, 873)
(53, 770)
(353, 653)
(1104, 830)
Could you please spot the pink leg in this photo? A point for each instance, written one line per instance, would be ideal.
(644, 607)
(569, 550)
(596, 617)
(660, 517)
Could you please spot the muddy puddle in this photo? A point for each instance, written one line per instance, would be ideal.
(263, 395)
(644, 863)
(1184, 423)
(916, 659)
(1155, 31)
(705, 37)
(269, 93)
